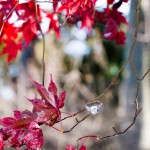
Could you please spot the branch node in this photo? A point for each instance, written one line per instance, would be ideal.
(115, 129)
(76, 119)
(98, 138)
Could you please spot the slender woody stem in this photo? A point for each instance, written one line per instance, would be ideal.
(112, 82)
(137, 109)
(129, 59)
(43, 40)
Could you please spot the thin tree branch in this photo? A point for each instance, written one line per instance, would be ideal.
(78, 121)
(73, 115)
(43, 40)
(116, 132)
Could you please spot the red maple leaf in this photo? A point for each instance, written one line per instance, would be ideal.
(79, 10)
(54, 23)
(120, 38)
(12, 44)
(25, 12)
(11, 49)
(47, 108)
(1, 143)
(5, 9)
(125, 1)
(111, 29)
(17, 131)
(24, 128)
(34, 138)
(110, 1)
(30, 27)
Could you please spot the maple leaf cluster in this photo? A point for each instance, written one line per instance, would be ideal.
(23, 130)
(30, 15)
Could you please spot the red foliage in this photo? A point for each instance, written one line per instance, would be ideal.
(29, 12)
(47, 109)
(111, 29)
(24, 128)
(120, 38)
(125, 1)
(112, 23)
(110, 1)
(69, 147)
(17, 128)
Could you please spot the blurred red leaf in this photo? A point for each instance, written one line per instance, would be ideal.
(69, 147)
(7, 121)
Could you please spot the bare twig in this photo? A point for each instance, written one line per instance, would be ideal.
(129, 60)
(79, 121)
(116, 132)
(73, 115)
(43, 40)
(144, 75)
(113, 81)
